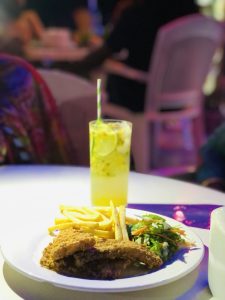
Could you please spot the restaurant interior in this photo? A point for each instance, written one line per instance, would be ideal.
(151, 75)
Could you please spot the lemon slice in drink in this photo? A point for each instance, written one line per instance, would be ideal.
(124, 139)
(124, 147)
(105, 142)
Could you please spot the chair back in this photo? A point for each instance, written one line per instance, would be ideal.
(66, 86)
(181, 59)
(76, 101)
(30, 128)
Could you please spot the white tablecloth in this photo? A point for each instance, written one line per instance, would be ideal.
(32, 189)
(45, 54)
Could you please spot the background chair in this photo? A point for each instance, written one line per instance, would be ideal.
(31, 131)
(76, 101)
(180, 62)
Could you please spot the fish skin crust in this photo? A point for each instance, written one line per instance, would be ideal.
(68, 242)
(113, 249)
(75, 253)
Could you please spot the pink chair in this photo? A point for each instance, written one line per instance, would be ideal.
(180, 62)
(76, 101)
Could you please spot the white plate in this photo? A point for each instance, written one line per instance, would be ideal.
(23, 251)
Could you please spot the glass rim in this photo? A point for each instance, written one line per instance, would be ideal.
(110, 121)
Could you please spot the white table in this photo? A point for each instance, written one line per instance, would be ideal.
(44, 54)
(35, 188)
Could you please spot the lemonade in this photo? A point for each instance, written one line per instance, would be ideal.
(110, 161)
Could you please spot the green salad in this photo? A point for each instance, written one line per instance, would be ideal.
(156, 234)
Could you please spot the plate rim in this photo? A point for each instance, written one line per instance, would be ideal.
(119, 288)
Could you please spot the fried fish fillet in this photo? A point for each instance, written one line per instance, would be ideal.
(97, 269)
(68, 242)
(80, 254)
(113, 249)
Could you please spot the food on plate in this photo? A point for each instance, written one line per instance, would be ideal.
(158, 236)
(105, 222)
(102, 242)
(74, 253)
(70, 241)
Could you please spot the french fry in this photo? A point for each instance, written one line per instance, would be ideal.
(105, 210)
(61, 227)
(122, 216)
(131, 220)
(90, 224)
(61, 220)
(103, 222)
(115, 218)
(71, 208)
(91, 212)
(84, 217)
(103, 234)
(82, 213)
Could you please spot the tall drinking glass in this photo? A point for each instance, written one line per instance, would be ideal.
(110, 142)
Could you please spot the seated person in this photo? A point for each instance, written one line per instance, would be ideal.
(84, 34)
(29, 26)
(68, 14)
(19, 26)
(56, 13)
(135, 32)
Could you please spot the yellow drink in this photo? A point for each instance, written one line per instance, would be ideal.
(110, 161)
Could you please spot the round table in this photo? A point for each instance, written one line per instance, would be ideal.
(32, 191)
(38, 53)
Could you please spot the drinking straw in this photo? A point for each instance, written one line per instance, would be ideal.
(99, 106)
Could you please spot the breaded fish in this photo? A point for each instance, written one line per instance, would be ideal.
(97, 269)
(113, 249)
(80, 254)
(68, 242)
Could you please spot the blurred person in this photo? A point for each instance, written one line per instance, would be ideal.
(70, 14)
(18, 26)
(56, 13)
(29, 26)
(134, 32)
(84, 34)
(27, 20)
(16, 14)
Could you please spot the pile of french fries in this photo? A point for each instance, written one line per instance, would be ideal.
(103, 222)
